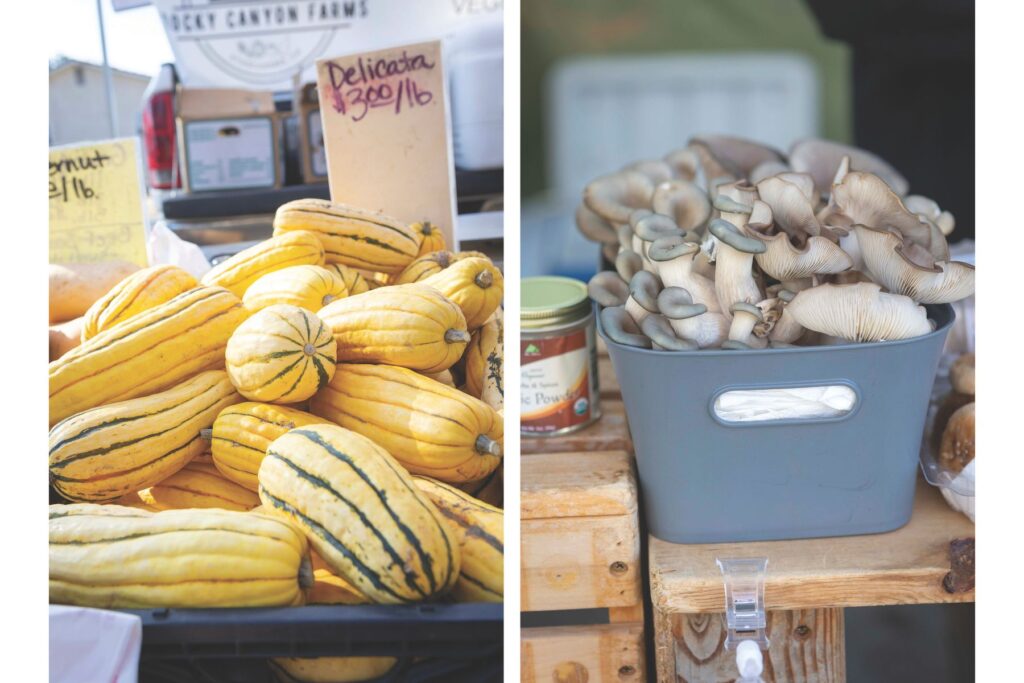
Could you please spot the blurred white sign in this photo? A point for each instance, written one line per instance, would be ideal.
(129, 4)
(263, 45)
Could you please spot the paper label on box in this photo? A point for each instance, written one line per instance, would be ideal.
(96, 210)
(228, 154)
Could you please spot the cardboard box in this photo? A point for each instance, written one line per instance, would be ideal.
(311, 135)
(228, 140)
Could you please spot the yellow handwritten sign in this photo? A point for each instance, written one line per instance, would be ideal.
(387, 133)
(96, 211)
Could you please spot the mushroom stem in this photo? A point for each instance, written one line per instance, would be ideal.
(734, 258)
(744, 317)
(673, 260)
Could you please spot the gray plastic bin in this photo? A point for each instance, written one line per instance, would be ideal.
(707, 481)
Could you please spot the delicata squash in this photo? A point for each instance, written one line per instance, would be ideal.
(354, 237)
(280, 251)
(140, 291)
(431, 428)
(362, 513)
(475, 284)
(107, 452)
(117, 557)
(148, 353)
(413, 326)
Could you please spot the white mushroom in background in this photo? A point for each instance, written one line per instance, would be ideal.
(684, 202)
(613, 197)
(820, 159)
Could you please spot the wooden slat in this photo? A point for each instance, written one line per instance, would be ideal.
(609, 433)
(806, 646)
(604, 653)
(577, 485)
(607, 380)
(906, 566)
(579, 563)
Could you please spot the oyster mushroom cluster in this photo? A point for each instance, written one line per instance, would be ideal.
(730, 244)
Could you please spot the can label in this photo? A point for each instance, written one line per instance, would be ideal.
(555, 386)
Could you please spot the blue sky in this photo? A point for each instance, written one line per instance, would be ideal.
(135, 38)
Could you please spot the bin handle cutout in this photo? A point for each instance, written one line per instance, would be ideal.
(792, 404)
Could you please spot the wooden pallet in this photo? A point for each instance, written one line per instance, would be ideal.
(580, 543)
(808, 584)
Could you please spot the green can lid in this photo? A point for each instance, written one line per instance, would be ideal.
(550, 300)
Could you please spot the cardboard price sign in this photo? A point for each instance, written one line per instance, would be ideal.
(387, 133)
(96, 211)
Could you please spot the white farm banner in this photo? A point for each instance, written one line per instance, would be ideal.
(265, 44)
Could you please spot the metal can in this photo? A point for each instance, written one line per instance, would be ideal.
(558, 357)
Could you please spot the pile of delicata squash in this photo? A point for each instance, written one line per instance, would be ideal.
(317, 421)
(730, 244)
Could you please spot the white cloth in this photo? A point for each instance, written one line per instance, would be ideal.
(165, 247)
(91, 645)
(755, 405)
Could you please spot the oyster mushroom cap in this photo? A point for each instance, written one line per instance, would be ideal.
(684, 163)
(657, 170)
(821, 159)
(662, 336)
(621, 328)
(866, 200)
(804, 182)
(727, 233)
(677, 304)
(628, 263)
(739, 191)
(613, 197)
(859, 312)
(785, 262)
(684, 202)
(722, 155)
(670, 247)
(930, 210)
(608, 289)
(593, 227)
(792, 212)
(643, 295)
(767, 169)
(654, 226)
(887, 259)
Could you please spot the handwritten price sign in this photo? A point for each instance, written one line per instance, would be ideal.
(96, 209)
(387, 135)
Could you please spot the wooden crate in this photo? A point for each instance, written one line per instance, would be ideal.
(808, 584)
(580, 539)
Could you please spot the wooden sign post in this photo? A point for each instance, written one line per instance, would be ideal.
(96, 211)
(387, 133)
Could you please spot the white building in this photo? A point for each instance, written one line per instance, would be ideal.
(78, 101)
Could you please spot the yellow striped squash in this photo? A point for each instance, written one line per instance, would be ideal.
(358, 238)
(424, 266)
(309, 287)
(282, 354)
(199, 485)
(296, 248)
(475, 284)
(362, 513)
(242, 433)
(150, 352)
(413, 326)
(329, 588)
(444, 377)
(331, 669)
(354, 281)
(479, 528)
(490, 489)
(107, 452)
(140, 291)
(432, 239)
(484, 360)
(117, 557)
(432, 429)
